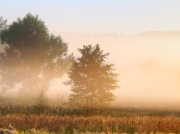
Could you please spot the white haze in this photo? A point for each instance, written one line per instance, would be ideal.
(148, 64)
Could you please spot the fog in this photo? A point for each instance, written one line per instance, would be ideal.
(148, 65)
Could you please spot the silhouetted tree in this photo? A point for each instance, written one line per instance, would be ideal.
(33, 56)
(2, 23)
(92, 80)
(41, 103)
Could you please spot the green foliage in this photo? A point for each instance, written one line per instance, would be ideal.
(33, 56)
(29, 32)
(92, 80)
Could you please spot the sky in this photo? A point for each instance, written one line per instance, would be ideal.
(148, 62)
(98, 16)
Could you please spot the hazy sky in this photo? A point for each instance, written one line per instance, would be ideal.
(98, 16)
(148, 64)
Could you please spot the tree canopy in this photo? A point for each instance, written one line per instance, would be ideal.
(33, 56)
(27, 33)
(92, 79)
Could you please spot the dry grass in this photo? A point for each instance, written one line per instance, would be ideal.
(41, 124)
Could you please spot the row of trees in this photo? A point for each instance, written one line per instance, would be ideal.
(33, 58)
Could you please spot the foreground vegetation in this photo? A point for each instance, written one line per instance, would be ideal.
(82, 124)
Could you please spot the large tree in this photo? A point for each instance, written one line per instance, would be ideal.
(92, 80)
(33, 56)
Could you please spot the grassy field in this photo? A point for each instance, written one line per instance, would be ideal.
(94, 124)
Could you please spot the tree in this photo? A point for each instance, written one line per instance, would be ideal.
(41, 103)
(92, 80)
(2, 23)
(33, 57)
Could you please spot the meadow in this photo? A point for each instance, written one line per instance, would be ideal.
(91, 124)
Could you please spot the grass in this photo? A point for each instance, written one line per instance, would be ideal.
(93, 124)
(63, 121)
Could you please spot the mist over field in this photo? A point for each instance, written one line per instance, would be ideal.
(96, 66)
(147, 63)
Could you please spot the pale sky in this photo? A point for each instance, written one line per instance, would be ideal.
(98, 16)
